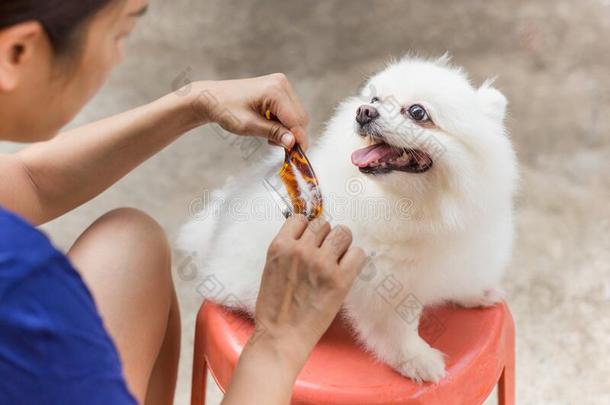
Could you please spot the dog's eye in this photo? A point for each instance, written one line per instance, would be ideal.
(374, 100)
(418, 113)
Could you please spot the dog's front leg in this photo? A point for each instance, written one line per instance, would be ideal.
(390, 331)
(417, 359)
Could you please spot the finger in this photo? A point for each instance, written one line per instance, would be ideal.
(299, 131)
(353, 261)
(316, 232)
(298, 117)
(285, 111)
(303, 116)
(293, 96)
(337, 242)
(301, 137)
(272, 130)
(293, 227)
(286, 114)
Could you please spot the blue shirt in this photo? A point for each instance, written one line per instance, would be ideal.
(53, 345)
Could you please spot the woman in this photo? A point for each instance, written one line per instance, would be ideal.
(101, 324)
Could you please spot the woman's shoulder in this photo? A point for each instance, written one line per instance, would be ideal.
(22, 242)
(16, 232)
(29, 261)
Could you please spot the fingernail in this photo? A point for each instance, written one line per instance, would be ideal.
(287, 140)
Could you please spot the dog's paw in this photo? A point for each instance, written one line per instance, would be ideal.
(488, 298)
(427, 364)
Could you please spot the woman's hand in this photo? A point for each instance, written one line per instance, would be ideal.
(239, 106)
(309, 271)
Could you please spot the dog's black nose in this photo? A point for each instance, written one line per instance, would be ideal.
(366, 114)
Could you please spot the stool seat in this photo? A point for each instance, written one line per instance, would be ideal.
(478, 344)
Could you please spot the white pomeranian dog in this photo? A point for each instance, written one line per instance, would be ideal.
(420, 167)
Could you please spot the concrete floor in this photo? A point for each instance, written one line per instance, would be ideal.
(552, 62)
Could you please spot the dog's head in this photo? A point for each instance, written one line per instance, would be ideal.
(419, 128)
(416, 111)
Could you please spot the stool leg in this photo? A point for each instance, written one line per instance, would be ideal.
(198, 384)
(506, 388)
(506, 385)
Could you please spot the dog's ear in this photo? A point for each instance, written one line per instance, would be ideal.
(493, 101)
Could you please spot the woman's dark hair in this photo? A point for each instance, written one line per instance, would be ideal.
(61, 19)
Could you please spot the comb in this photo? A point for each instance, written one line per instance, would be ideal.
(300, 182)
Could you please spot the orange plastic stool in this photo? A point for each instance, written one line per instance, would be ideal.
(479, 344)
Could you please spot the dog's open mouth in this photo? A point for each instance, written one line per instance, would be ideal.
(383, 158)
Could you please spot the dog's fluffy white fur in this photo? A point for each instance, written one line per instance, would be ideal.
(441, 235)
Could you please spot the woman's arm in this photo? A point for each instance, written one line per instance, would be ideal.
(48, 179)
(264, 376)
(51, 178)
(309, 270)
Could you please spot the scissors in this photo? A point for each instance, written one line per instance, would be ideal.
(300, 182)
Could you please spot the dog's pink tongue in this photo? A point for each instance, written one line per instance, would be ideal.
(377, 152)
